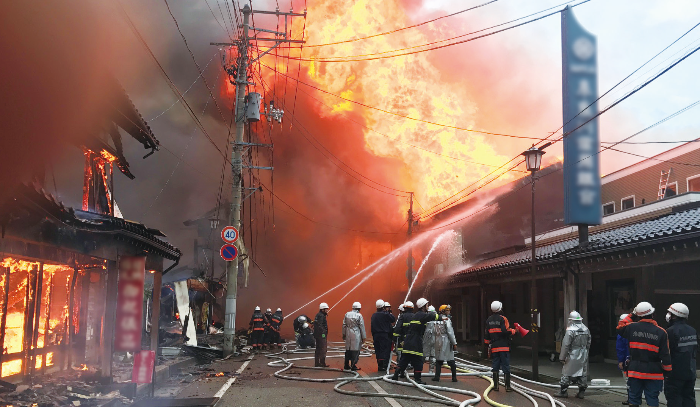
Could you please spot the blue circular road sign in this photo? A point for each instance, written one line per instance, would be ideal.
(229, 252)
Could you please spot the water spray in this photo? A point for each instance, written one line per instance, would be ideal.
(425, 260)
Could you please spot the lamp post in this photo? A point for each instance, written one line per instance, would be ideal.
(533, 160)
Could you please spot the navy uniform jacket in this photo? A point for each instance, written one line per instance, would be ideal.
(649, 354)
(320, 325)
(382, 323)
(683, 345)
(498, 333)
(403, 320)
(414, 331)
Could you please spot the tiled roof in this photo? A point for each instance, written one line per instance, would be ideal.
(646, 231)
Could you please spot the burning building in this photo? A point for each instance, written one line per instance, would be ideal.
(59, 267)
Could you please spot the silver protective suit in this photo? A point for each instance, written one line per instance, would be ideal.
(429, 340)
(354, 330)
(444, 339)
(574, 350)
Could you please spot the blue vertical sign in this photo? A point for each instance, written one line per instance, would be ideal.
(582, 204)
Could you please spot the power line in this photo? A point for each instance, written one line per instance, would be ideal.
(404, 28)
(404, 116)
(223, 27)
(184, 39)
(379, 55)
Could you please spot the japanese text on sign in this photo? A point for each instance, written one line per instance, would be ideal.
(132, 271)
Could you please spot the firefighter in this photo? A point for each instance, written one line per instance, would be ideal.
(413, 341)
(498, 335)
(683, 345)
(382, 326)
(276, 323)
(268, 332)
(387, 308)
(445, 343)
(321, 335)
(405, 308)
(574, 355)
(257, 325)
(353, 334)
(298, 326)
(429, 341)
(650, 359)
(306, 336)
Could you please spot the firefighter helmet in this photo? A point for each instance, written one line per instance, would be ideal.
(380, 303)
(445, 307)
(356, 305)
(496, 306)
(643, 309)
(623, 316)
(431, 309)
(323, 306)
(575, 316)
(679, 309)
(408, 304)
(279, 309)
(401, 308)
(422, 302)
(257, 308)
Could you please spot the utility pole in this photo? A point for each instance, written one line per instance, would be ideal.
(409, 261)
(238, 146)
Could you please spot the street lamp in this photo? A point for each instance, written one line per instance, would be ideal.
(533, 160)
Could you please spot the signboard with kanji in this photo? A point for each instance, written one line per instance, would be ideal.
(144, 362)
(127, 331)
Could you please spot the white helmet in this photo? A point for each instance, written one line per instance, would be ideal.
(257, 308)
(401, 308)
(356, 305)
(323, 306)
(380, 303)
(422, 302)
(268, 310)
(408, 304)
(279, 309)
(302, 318)
(623, 316)
(575, 316)
(431, 309)
(306, 325)
(679, 309)
(386, 304)
(496, 306)
(643, 309)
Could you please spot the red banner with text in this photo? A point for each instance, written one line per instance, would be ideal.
(132, 272)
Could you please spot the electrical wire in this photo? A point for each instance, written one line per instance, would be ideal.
(184, 39)
(378, 55)
(223, 27)
(403, 28)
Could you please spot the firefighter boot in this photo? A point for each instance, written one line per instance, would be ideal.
(453, 366)
(416, 377)
(495, 381)
(507, 381)
(438, 369)
(562, 392)
(581, 391)
(347, 360)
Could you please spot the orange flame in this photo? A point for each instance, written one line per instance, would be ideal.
(410, 86)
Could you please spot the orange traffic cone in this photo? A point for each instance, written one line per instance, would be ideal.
(522, 331)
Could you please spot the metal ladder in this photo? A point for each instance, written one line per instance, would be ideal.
(663, 183)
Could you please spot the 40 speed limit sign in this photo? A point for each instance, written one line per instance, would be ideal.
(229, 234)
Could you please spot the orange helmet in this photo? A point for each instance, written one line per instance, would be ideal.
(445, 307)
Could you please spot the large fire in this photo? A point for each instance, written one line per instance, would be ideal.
(53, 311)
(410, 86)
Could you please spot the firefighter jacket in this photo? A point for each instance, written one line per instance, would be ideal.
(382, 323)
(683, 345)
(444, 339)
(401, 324)
(354, 330)
(299, 322)
(276, 321)
(414, 331)
(649, 355)
(498, 333)
(268, 322)
(257, 321)
(574, 350)
(320, 325)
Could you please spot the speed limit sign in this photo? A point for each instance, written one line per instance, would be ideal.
(229, 234)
